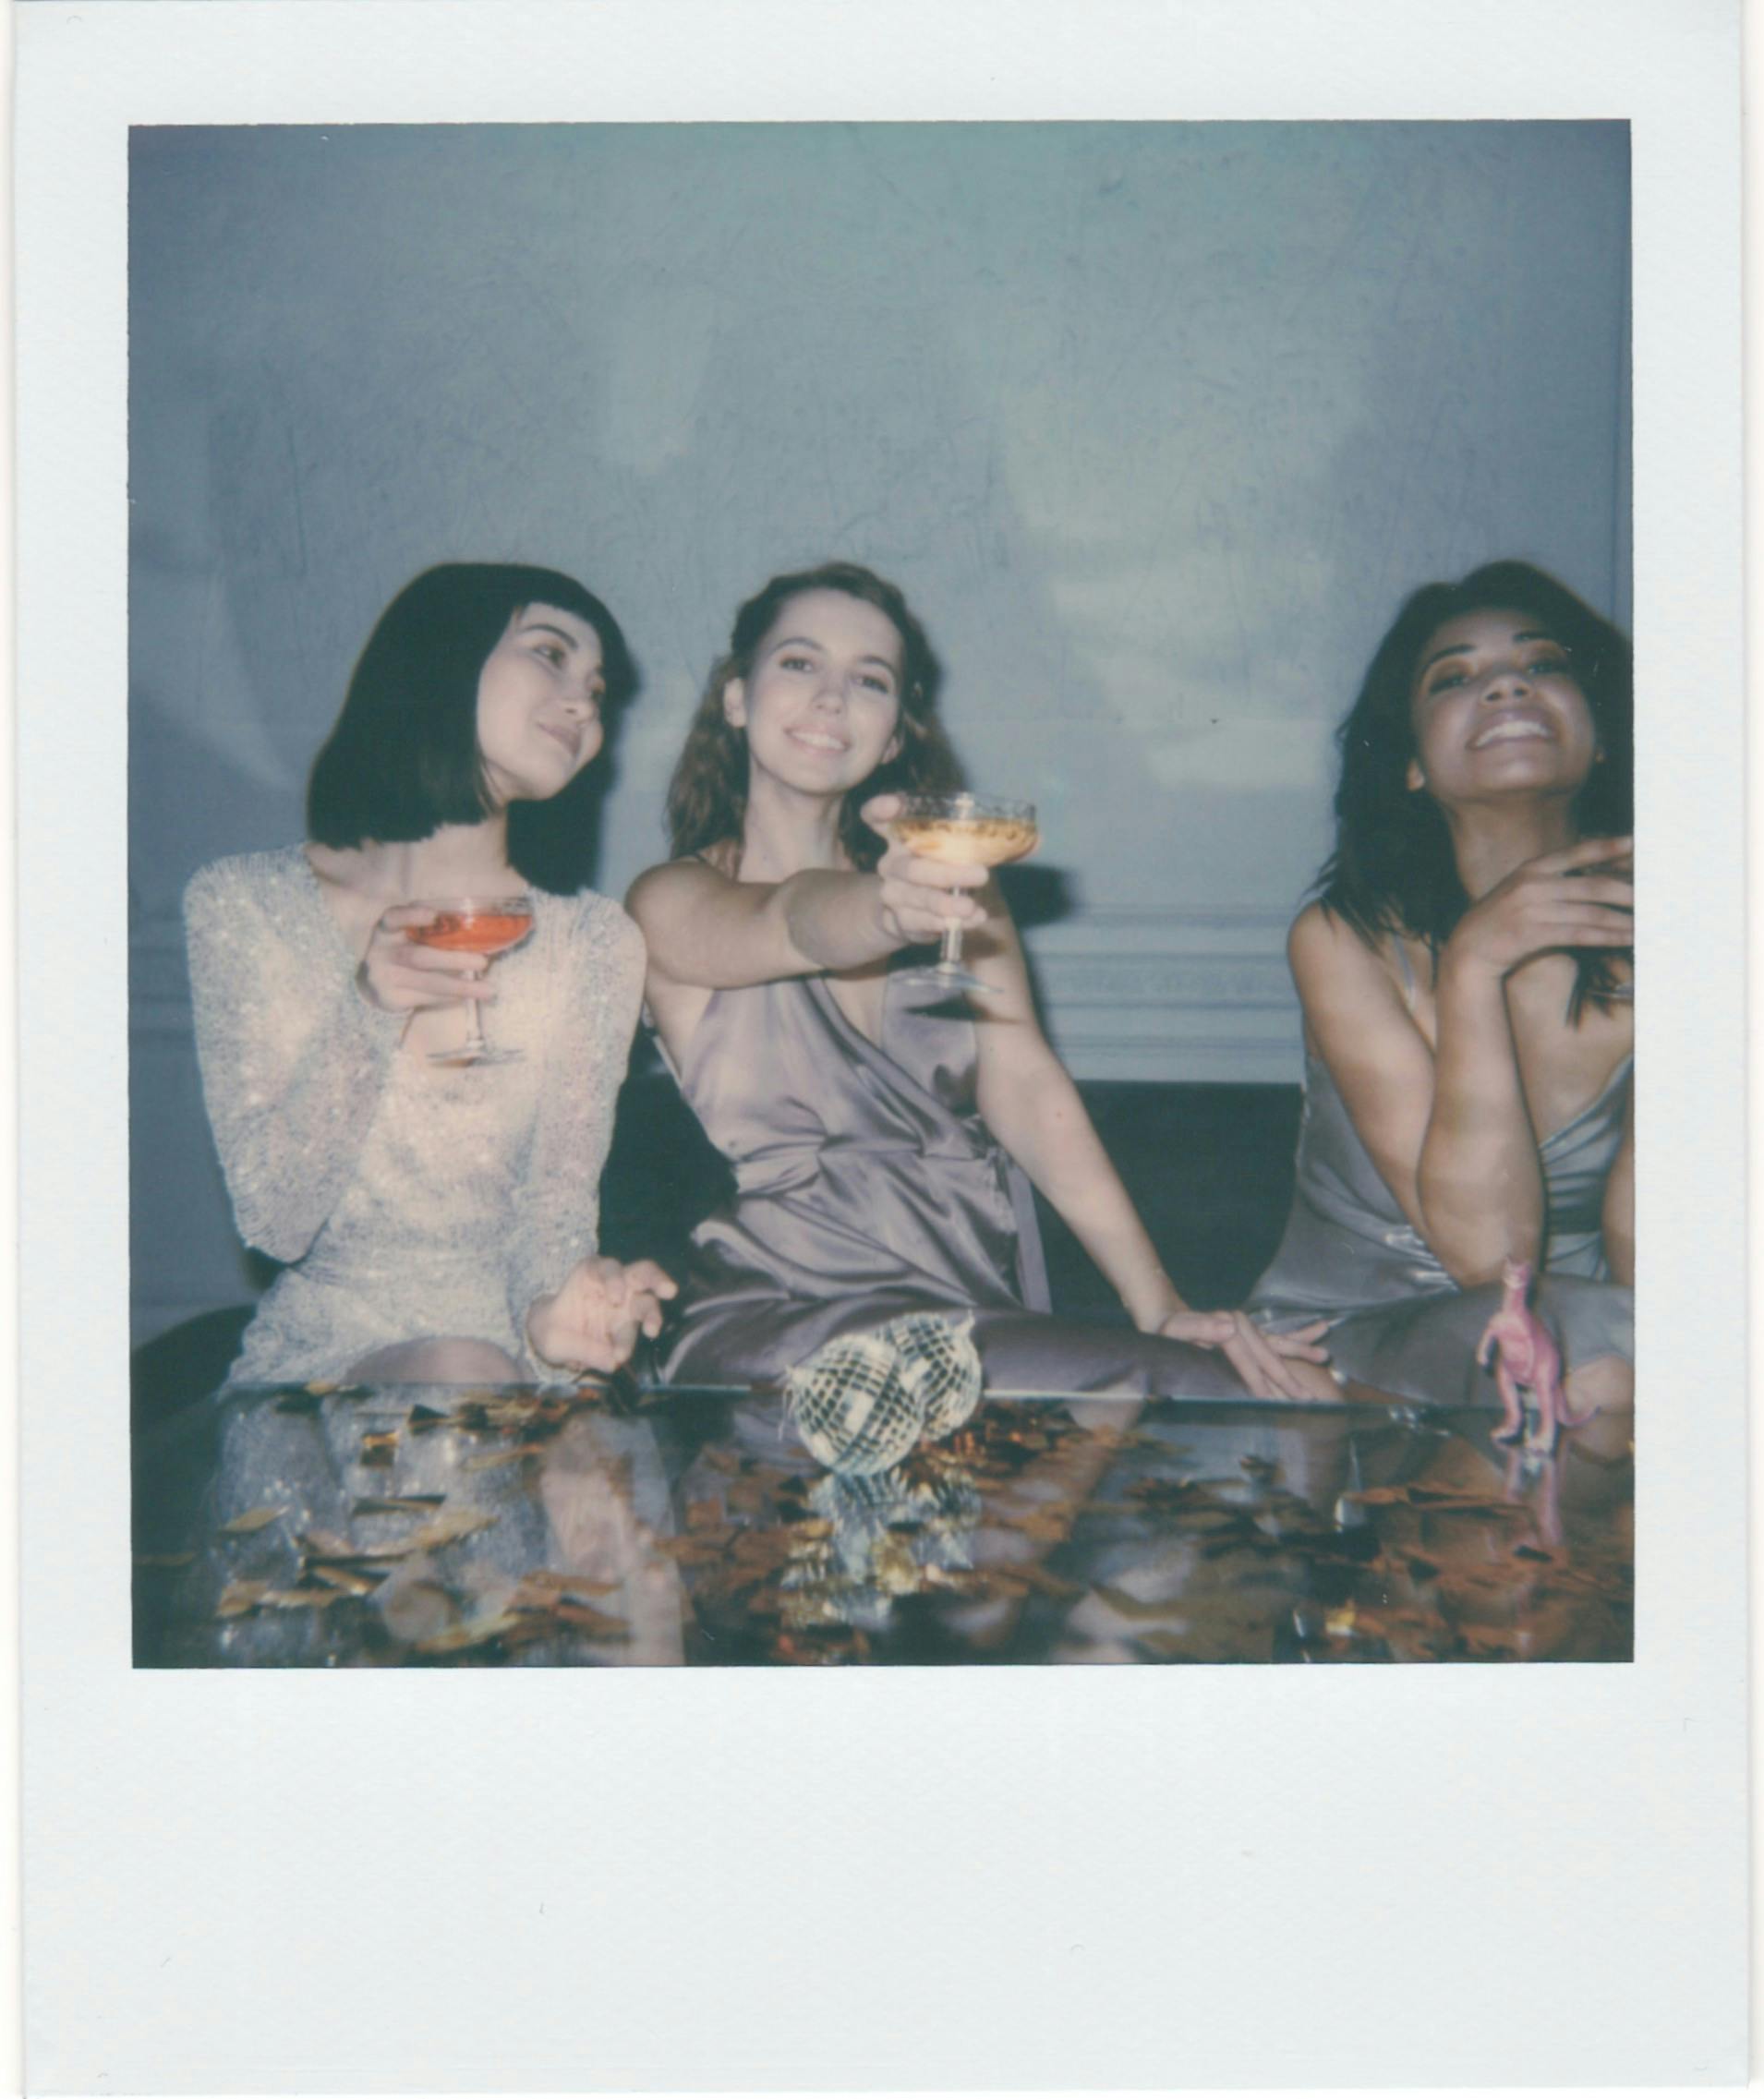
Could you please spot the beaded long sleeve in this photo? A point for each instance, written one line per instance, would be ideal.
(293, 1057)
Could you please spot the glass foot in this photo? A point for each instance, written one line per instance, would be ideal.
(949, 976)
(465, 1054)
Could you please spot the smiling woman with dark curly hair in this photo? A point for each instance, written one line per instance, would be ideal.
(1466, 976)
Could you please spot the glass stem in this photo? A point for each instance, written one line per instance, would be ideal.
(951, 958)
(475, 1043)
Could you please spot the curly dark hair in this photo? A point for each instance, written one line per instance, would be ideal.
(1393, 869)
(708, 796)
(403, 758)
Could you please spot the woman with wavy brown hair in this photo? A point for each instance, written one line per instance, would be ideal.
(883, 1137)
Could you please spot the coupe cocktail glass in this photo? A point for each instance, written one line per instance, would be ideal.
(964, 827)
(479, 925)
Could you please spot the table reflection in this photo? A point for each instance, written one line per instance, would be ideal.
(294, 1527)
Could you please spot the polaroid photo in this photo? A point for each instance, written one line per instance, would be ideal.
(501, 489)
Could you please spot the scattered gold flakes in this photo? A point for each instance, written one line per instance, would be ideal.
(380, 1447)
(491, 1460)
(1131, 1606)
(253, 1519)
(238, 1598)
(394, 1505)
(472, 1632)
(301, 1598)
(447, 1529)
(352, 1580)
(598, 1624)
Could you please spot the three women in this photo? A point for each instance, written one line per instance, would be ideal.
(1464, 978)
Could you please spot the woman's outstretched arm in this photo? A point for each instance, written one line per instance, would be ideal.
(706, 929)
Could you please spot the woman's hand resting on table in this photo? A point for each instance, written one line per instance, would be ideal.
(592, 1321)
(920, 897)
(1273, 1365)
(400, 975)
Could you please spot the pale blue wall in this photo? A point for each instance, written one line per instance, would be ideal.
(1156, 424)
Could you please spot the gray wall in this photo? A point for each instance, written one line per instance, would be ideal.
(1156, 424)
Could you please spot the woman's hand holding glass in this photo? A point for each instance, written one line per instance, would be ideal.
(399, 975)
(920, 897)
(592, 1319)
(1580, 897)
(1273, 1365)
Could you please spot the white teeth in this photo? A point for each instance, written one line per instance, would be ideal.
(1511, 732)
(817, 743)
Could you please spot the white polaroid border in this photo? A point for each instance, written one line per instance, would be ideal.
(706, 1880)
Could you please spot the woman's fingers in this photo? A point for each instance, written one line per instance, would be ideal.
(1263, 1372)
(1587, 852)
(880, 811)
(1300, 1342)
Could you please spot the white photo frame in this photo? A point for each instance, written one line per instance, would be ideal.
(528, 1881)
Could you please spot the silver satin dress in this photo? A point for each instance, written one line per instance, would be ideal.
(1397, 1319)
(866, 1186)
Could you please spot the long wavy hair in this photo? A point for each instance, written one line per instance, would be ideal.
(708, 796)
(1393, 869)
(403, 757)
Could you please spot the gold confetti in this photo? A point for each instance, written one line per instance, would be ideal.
(253, 1519)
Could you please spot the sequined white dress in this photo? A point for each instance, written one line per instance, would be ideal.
(409, 1198)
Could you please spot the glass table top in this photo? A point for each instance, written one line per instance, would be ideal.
(440, 1526)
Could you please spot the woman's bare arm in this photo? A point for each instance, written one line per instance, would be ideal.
(1028, 1101)
(705, 928)
(1357, 1022)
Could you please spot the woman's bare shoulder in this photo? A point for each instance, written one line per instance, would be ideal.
(674, 884)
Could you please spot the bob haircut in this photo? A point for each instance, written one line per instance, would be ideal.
(708, 796)
(403, 758)
(1393, 869)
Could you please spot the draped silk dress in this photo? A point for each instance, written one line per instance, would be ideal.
(1398, 1322)
(866, 1186)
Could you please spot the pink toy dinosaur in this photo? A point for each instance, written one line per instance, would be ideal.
(1526, 1360)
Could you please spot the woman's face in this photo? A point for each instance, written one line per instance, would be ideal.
(538, 705)
(821, 705)
(1497, 710)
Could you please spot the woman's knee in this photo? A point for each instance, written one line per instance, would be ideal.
(1607, 1384)
(439, 1359)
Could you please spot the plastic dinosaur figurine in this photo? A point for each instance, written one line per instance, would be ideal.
(1526, 1360)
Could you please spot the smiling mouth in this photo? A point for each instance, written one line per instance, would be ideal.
(570, 741)
(1512, 729)
(816, 740)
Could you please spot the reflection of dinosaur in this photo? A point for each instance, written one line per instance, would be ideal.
(1526, 1360)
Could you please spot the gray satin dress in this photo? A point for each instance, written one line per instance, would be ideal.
(866, 1186)
(1397, 1319)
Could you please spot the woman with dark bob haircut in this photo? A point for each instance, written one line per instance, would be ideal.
(879, 1136)
(435, 1200)
(1465, 977)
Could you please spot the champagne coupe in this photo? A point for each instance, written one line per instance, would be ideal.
(479, 925)
(959, 828)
